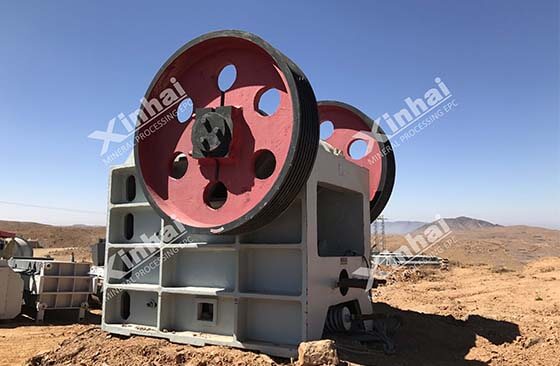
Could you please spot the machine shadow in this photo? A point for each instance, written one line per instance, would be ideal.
(52, 318)
(429, 339)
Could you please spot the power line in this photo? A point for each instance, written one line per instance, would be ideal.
(21, 204)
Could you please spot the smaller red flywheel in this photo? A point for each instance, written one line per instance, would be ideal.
(351, 127)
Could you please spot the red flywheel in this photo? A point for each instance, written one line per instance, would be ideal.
(211, 157)
(349, 126)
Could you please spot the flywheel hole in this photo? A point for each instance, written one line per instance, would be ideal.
(179, 166)
(185, 110)
(326, 130)
(358, 149)
(215, 195)
(265, 164)
(227, 77)
(268, 102)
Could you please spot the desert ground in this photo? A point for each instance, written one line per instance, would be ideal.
(56, 236)
(498, 303)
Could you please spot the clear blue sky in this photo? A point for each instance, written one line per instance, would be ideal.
(68, 67)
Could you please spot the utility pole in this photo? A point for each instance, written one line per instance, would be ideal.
(383, 247)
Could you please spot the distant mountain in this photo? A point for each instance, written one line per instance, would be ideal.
(56, 236)
(480, 242)
(400, 227)
(462, 223)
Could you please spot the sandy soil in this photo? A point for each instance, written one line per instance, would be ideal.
(56, 236)
(22, 338)
(476, 315)
(91, 346)
(507, 246)
(81, 254)
(471, 315)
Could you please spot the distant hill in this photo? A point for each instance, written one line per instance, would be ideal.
(401, 227)
(474, 241)
(462, 223)
(56, 236)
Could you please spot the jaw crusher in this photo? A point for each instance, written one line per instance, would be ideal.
(234, 223)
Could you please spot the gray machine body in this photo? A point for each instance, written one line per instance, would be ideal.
(51, 284)
(266, 290)
(11, 292)
(401, 259)
(16, 247)
(97, 271)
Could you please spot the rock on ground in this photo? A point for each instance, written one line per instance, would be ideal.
(317, 353)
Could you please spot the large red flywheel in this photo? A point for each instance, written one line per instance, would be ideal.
(227, 166)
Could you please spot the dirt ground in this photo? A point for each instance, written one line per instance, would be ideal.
(56, 236)
(471, 315)
(506, 246)
(476, 315)
(81, 254)
(23, 338)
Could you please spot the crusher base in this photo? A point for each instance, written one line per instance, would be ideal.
(266, 290)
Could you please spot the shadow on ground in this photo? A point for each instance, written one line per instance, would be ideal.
(52, 318)
(434, 340)
(422, 339)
